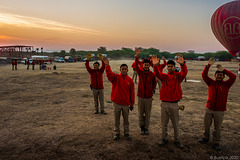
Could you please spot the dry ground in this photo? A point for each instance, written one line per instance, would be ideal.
(49, 115)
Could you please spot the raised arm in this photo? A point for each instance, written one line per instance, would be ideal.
(205, 76)
(109, 73)
(90, 70)
(103, 67)
(232, 77)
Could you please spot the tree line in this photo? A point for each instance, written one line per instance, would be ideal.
(130, 53)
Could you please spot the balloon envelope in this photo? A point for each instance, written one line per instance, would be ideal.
(225, 25)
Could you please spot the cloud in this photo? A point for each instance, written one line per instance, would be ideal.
(32, 22)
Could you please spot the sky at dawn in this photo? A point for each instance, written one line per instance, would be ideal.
(168, 25)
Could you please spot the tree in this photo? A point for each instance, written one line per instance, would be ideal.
(62, 53)
(102, 50)
(73, 51)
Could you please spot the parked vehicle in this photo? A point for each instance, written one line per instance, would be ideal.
(59, 59)
(68, 59)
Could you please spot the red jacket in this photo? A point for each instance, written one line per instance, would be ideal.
(171, 83)
(147, 82)
(96, 76)
(123, 92)
(218, 91)
(139, 63)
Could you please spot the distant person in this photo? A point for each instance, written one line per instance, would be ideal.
(122, 96)
(96, 85)
(28, 63)
(13, 64)
(217, 100)
(146, 86)
(44, 67)
(40, 65)
(170, 94)
(134, 77)
(33, 64)
(16, 64)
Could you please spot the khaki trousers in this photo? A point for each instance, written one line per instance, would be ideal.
(144, 110)
(170, 110)
(98, 94)
(118, 109)
(217, 116)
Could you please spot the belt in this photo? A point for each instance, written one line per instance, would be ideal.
(171, 101)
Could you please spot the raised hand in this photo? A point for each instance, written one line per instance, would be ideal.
(220, 67)
(106, 61)
(89, 56)
(100, 56)
(155, 60)
(138, 51)
(211, 61)
(180, 59)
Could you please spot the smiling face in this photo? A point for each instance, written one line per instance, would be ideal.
(124, 70)
(170, 68)
(146, 66)
(219, 76)
(95, 66)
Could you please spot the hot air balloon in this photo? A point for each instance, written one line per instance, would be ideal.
(225, 25)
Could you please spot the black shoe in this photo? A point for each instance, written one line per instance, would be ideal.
(203, 140)
(103, 112)
(116, 137)
(179, 145)
(128, 136)
(96, 112)
(163, 142)
(146, 131)
(217, 147)
(142, 130)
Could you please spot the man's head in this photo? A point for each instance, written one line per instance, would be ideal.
(96, 65)
(146, 65)
(219, 75)
(124, 69)
(171, 66)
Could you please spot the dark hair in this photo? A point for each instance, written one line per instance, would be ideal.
(219, 72)
(123, 65)
(171, 62)
(96, 63)
(146, 61)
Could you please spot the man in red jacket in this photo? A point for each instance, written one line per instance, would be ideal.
(216, 103)
(170, 94)
(146, 86)
(96, 85)
(122, 96)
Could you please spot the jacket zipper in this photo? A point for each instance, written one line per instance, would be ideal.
(145, 86)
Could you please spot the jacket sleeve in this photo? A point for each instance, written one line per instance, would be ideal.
(110, 75)
(90, 70)
(137, 65)
(205, 76)
(183, 72)
(232, 77)
(158, 72)
(132, 93)
(103, 67)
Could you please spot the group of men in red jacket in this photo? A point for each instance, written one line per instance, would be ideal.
(123, 96)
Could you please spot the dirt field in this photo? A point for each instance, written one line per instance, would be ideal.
(49, 115)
